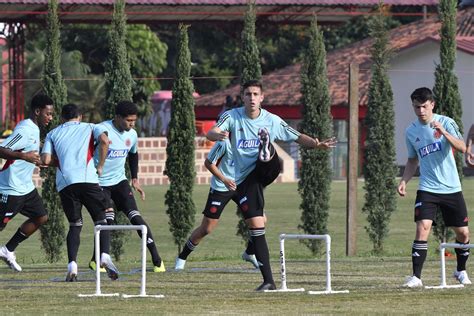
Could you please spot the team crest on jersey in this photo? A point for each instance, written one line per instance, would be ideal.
(437, 134)
(128, 142)
(429, 149)
(117, 153)
(248, 143)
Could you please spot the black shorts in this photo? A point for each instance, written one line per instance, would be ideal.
(452, 206)
(216, 202)
(122, 196)
(91, 195)
(30, 205)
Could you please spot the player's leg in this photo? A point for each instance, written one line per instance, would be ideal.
(110, 218)
(249, 253)
(9, 207)
(268, 165)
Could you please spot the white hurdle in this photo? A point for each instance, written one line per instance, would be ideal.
(442, 251)
(284, 287)
(144, 231)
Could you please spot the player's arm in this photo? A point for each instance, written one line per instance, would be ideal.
(30, 156)
(103, 147)
(215, 134)
(309, 142)
(469, 153)
(229, 183)
(410, 169)
(133, 164)
(455, 142)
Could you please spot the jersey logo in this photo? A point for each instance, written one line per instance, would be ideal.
(429, 149)
(437, 134)
(417, 140)
(248, 143)
(128, 142)
(117, 153)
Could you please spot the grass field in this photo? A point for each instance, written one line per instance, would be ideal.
(216, 281)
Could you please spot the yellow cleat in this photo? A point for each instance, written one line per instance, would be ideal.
(92, 266)
(161, 268)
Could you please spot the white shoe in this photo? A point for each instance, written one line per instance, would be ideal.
(179, 264)
(252, 259)
(462, 277)
(71, 275)
(264, 154)
(413, 282)
(9, 258)
(108, 265)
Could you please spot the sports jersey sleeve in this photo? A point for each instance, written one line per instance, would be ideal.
(285, 132)
(225, 121)
(217, 151)
(98, 129)
(411, 150)
(134, 148)
(452, 128)
(18, 140)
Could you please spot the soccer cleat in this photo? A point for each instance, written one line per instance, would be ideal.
(264, 153)
(413, 282)
(160, 268)
(252, 259)
(9, 258)
(462, 277)
(108, 265)
(179, 264)
(71, 275)
(266, 287)
(93, 265)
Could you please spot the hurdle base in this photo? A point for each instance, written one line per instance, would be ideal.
(142, 295)
(327, 292)
(445, 286)
(285, 290)
(98, 295)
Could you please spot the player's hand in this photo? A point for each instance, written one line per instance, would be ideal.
(470, 159)
(137, 187)
(222, 135)
(327, 143)
(402, 188)
(230, 184)
(33, 157)
(438, 126)
(100, 170)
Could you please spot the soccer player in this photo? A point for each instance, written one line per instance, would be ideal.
(123, 143)
(431, 140)
(70, 147)
(19, 195)
(469, 149)
(252, 129)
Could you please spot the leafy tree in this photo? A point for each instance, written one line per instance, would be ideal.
(446, 89)
(380, 169)
(53, 232)
(180, 148)
(118, 82)
(315, 182)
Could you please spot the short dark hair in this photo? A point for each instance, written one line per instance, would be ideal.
(422, 95)
(126, 108)
(252, 83)
(40, 101)
(70, 111)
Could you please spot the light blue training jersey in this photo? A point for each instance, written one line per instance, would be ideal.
(221, 155)
(121, 143)
(438, 172)
(16, 175)
(244, 136)
(73, 143)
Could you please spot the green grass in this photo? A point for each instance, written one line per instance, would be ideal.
(216, 281)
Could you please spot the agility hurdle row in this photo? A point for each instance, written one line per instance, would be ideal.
(144, 231)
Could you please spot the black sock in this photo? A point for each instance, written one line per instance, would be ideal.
(73, 241)
(261, 252)
(418, 256)
(110, 217)
(150, 243)
(462, 254)
(250, 248)
(16, 239)
(187, 249)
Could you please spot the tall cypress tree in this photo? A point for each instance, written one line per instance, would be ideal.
(380, 169)
(119, 82)
(180, 149)
(315, 182)
(53, 232)
(446, 89)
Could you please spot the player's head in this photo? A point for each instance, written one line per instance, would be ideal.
(42, 109)
(252, 95)
(126, 113)
(70, 112)
(423, 104)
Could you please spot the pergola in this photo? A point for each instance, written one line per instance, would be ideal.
(17, 14)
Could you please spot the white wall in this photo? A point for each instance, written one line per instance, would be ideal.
(414, 68)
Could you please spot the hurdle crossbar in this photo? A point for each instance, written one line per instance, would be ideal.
(284, 287)
(442, 251)
(144, 231)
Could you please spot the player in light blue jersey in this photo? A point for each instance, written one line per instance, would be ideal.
(70, 147)
(252, 130)
(123, 143)
(18, 193)
(431, 142)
